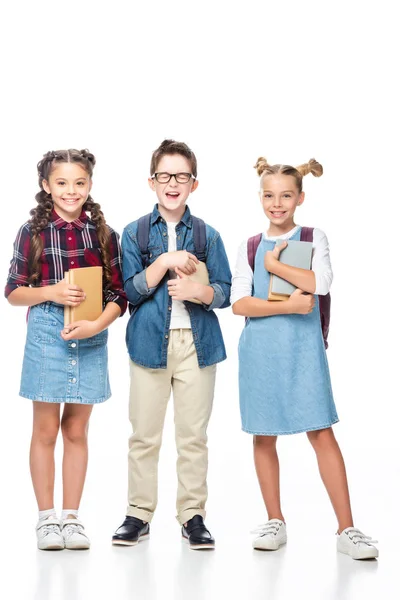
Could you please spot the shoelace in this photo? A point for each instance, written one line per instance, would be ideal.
(46, 529)
(267, 529)
(72, 528)
(359, 537)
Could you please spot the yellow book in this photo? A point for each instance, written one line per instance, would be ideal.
(200, 276)
(90, 279)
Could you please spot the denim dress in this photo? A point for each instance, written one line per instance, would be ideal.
(284, 380)
(55, 370)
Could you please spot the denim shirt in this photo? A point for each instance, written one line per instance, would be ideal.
(148, 327)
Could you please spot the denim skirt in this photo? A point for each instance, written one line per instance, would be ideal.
(55, 370)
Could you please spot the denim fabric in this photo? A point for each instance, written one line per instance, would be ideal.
(284, 379)
(148, 328)
(54, 370)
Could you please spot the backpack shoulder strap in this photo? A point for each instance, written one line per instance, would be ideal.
(252, 245)
(143, 233)
(307, 234)
(199, 237)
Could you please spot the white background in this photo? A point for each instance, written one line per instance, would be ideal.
(288, 80)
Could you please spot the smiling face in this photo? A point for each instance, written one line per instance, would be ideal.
(69, 185)
(280, 196)
(172, 196)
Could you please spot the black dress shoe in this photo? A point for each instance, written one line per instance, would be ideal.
(131, 532)
(198, 536)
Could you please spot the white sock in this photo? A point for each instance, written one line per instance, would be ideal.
(46, 514)
(69, 511)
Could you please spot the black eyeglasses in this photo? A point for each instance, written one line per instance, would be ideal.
(179, 177)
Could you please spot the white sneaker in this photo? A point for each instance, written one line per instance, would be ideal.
(272, 535)
(357, 545)
(74, 535)
(48, 534)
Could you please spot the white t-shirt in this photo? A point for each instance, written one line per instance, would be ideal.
(242, 281)
(179, 315)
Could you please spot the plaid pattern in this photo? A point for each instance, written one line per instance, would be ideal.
(66, 246)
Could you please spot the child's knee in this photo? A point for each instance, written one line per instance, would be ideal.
(266, 442)
(46, 433)
(74, 431)
(321, 437)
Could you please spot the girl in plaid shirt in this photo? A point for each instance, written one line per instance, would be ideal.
(63, 365)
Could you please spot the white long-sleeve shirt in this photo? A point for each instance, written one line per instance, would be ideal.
(242, 280)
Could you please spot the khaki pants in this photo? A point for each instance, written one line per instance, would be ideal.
(193, 391)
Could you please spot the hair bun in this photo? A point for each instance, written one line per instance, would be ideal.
(261, 165)
(313, 167)
(89, 156)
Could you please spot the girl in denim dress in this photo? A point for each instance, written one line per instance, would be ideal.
(63, 365)
(284, 379)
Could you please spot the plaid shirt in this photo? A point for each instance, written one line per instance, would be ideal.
(66, 246)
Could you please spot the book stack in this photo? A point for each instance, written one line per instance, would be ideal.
(296, 254)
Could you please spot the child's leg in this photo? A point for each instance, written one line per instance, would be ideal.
(74, 427)
(46, 424)
(333, 474)
(150, 390)
(267, 468)
(193, 398)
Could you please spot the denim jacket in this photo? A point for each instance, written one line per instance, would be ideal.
(148, 328)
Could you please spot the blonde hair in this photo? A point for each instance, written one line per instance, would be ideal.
(263, 168)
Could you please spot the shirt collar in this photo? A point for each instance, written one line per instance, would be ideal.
(186, 218)
(59, 223)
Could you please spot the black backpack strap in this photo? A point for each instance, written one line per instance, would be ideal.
(143, 233)
(199, 238)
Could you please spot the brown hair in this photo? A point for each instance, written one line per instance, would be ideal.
(172, 147)
(263, 168)
(41, 214)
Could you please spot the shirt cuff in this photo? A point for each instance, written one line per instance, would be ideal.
(140, 284)
(219, 297)
(118, 299)
(322, 286)
(10, 287)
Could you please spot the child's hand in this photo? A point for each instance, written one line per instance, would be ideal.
(182, 288)
(65, 293)
(300, 303)
(79, 330)
(273, 255)
(185, 261)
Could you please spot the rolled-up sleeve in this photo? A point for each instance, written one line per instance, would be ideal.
(219, 273)
(116, 292)
(18, 274)
(134, 275)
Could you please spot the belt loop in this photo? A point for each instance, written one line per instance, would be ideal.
(46, 307)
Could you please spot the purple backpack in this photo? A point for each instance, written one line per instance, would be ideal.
(306, 235)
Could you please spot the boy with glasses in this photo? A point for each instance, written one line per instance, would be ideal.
(174, 341)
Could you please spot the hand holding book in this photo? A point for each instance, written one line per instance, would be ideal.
(90, 280)
(65, 293)
(184, 286)
(272, 255)
(293, 254)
